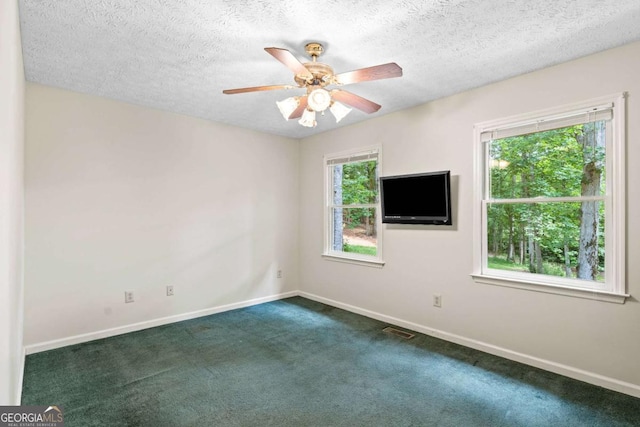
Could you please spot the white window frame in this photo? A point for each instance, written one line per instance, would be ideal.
(614, 287)
(345, 157)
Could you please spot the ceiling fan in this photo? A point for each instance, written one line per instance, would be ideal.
(315, 77)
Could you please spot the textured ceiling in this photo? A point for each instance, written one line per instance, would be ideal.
(178, 55)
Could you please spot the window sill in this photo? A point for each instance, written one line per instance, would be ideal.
(368, 262)
(552, 289)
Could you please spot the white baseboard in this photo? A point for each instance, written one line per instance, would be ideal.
(18, 395)
(105, 333)
(547, 365)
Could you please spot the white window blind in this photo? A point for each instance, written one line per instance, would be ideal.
(603, 112)
(360, 157)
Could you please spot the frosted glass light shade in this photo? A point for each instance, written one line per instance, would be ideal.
(339, 111)
(308, 119)
(288, 106)
(319, 99)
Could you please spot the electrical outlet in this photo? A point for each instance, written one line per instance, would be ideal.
(128, 296)
(279, 275)
(437, 300)
(169, 290)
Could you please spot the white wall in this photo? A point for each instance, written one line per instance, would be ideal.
(11, 203)
(120, 197)
(598, 338)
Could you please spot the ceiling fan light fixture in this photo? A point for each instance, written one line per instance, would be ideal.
(288, 106)
(319, 99)
(339, 110)
(308, 119)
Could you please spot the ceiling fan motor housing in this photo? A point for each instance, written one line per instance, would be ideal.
(322, 75)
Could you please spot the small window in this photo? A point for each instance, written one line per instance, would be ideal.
(352, 220)
(550, 200)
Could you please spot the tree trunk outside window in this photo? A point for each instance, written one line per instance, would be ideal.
(591, 138)
(337, 212)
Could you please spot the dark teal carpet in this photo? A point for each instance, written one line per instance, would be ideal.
(296, 362)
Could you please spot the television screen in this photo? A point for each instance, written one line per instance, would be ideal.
(423, 198)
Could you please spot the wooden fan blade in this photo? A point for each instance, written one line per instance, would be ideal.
(287, 58)
(355, 101)
(256, 89)
(297, 113)
(384, 71)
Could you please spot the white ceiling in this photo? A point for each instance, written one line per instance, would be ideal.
(178, 55)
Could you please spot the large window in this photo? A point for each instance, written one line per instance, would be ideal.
(550, 200)
(352, 220)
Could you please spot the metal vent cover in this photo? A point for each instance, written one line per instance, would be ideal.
(399, 333)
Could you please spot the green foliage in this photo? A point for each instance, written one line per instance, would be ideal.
(359, 183)
(359, 187)
(549, 268)
(542, 164)
(367, 250)
(502, 264)
(553, 269)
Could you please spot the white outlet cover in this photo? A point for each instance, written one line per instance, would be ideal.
(128, 297)
(437, 300)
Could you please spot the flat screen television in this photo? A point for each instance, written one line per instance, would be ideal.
(422, 198)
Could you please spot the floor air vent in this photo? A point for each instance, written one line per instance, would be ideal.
(398, 332)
